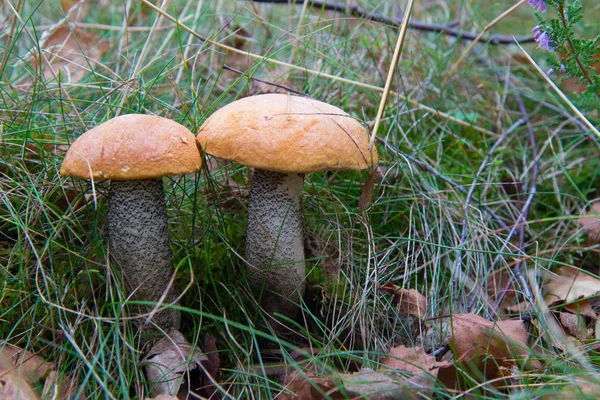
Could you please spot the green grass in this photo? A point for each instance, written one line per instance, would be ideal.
(59, 299)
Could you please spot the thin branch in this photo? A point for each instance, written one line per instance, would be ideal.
(248, 75)
(266, 58)
(393, 21)
(391, 73)
(480, 37)
(560, 93)
(522, 219)
(519, 226)
(484, 164)
(584, 71)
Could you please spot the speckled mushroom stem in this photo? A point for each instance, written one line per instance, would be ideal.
(274, 240)
(138, 235)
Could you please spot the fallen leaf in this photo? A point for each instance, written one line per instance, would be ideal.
(162, 397)
(69, 50)
(573, 288)
(14, 384)
(211, 368)
(235, 60)
(410, 301)
(26, 364)
(524, 307)
(574, 325)
(489, 347)
(366, 194)
(168, 361)
(365, 384)
(413, 360)
(448, 375)
(298, 387)
(375, 386)
(59, 387)
(498, 285)
(577, 86)
(67, 4)
(590, 223)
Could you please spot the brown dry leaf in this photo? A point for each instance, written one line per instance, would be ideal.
(497, 284)
(571, 285)
(414, 360)
(59, 387)
(574, 325)
(69, 50)
(487, 346)
(366, 194)
(575, 86)
(365, 384)
(521, 308)
(162, 397)
(211, 367)
(448, 375)
(373, 385)
(590, 223)
(410, 301)
(26, 364)
(168, 361)
(14, 383)
(298, 387)
(67, 4)
(237, 61)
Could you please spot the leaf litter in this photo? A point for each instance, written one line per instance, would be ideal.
(69, 50)
(168, 362)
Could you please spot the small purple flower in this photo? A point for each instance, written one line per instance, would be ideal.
(540, 4)
(550, 72)
(537, 32)
(542, 38)
(563, 69)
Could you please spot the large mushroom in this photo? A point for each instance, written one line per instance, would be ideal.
(283, 137)
(135, 152)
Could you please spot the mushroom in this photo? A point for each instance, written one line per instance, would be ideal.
(282, 137)
(135, 152)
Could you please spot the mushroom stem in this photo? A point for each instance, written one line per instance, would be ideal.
(275, 240)
(138, 235)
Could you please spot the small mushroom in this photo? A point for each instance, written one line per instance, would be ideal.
(135, 152)
(283, 137)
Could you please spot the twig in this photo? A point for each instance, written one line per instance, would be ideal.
(391, 73)
(484, 164)
(521, 220)
(561, 94)
(532, 191)
(266, 59)
(242, 73)
(479, 37)
(417, 25)
(519, 226)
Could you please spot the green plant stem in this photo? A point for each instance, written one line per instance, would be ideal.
(563, 19)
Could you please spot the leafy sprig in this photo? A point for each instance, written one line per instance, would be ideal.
(571, 56)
